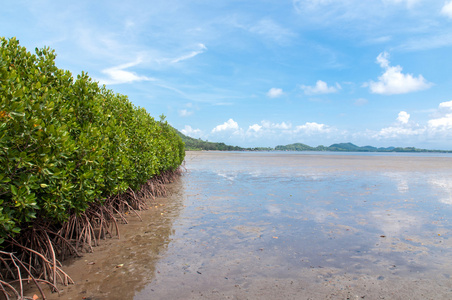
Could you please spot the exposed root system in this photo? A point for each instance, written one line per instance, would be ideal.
(34, 256)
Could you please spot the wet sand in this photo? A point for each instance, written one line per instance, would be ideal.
(119, 267)
(284, 226)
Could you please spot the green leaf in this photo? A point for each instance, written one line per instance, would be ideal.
(13, 190)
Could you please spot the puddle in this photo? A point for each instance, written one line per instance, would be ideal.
(281, 225)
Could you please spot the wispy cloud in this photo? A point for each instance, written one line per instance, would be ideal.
(349, 8)
(360, 101)
(378, 40)
(409, 3)
(201, 49)
(320, 87)
(265, 28)
(431, 41)
(272, 31)
(325, 12)
(393, 81)
(119, 74)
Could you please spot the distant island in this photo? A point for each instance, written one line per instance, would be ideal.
(199, 144)
(349, 147)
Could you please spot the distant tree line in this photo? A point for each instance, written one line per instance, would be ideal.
(349, 147)
(199, 144)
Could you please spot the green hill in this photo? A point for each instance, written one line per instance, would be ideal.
(199, 144)
(349, 147)
(295, 147)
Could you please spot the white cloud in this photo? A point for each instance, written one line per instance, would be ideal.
(255, 128)
(185, 113)
(447, 9)
(443, 118)
(274, 133)
(228, 125)
(393, 81)
(202, 49)
(403, 117)
(398, 132)
(189, 131)
(404, 130)
(402, 127)
(320, 87)
(118, 74)
(275, 93)
(447, 106)
(312, 128)
(269, 125)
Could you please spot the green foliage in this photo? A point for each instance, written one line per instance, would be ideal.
(294, 147)
(66, 142)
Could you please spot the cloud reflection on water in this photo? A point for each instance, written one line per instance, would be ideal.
(445, 186)
(400, 180)
(230, 177)
(273, 209)
(394, 222)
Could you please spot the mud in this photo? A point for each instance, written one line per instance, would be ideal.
(284, 226)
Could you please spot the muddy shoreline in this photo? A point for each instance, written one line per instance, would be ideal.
(119, 267)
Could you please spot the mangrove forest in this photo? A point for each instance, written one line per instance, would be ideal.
(74, 158)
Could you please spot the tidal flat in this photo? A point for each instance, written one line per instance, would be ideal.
(258, 225)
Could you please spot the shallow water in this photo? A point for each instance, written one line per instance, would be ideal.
(254, 219)
(288, 225)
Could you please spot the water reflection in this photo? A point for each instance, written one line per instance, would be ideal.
(400, 179)
(395, 223)
(284, 226)
(444, 186)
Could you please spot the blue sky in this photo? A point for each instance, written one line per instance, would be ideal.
(262, 73)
